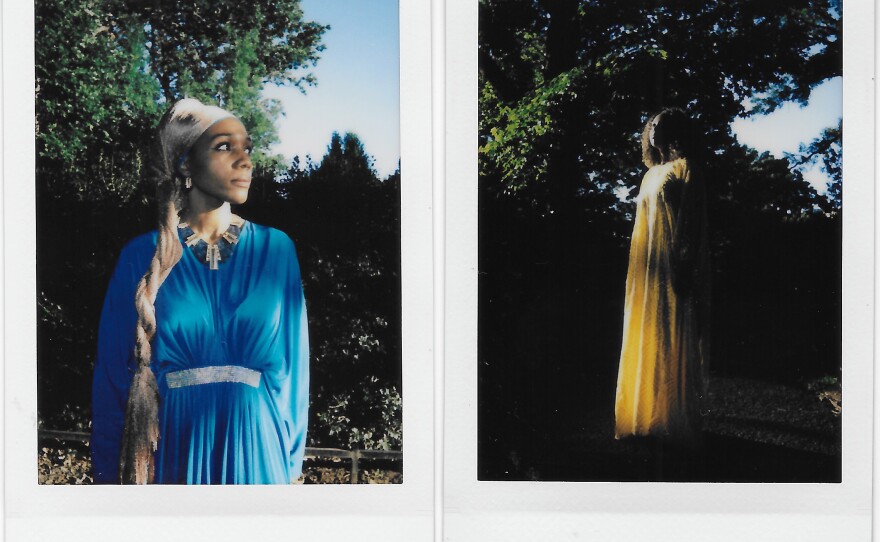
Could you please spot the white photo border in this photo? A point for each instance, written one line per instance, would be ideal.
(319, 512)
(483, 510)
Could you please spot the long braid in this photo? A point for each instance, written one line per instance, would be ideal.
(178, 131)
(141, 435)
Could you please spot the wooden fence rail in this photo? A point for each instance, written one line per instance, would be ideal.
(314, 453)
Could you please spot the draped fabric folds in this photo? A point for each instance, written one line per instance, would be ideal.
(665, 330)
(246, 318)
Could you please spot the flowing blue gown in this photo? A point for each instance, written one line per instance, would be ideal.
(245, 320)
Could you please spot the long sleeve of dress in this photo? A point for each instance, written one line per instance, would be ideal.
(113, 365)
(294, 389)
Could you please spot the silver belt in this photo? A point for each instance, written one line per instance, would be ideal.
(212, 374)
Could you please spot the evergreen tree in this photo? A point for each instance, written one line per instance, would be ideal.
(346, 225)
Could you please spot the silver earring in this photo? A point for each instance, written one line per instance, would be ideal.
(188, 183)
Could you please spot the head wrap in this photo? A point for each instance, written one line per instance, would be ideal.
(182, 126)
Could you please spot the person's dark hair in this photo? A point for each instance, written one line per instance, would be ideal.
(673, 137)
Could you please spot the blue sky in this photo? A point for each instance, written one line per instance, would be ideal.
(358, 91)
(790, 125)
(358, 86)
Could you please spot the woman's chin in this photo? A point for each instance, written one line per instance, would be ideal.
(238, 199)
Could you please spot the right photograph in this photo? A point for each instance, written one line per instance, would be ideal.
(660, 209)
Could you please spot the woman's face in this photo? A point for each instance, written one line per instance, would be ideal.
(219, 162)
(655, 134)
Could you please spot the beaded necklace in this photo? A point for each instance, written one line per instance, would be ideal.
(213, 254)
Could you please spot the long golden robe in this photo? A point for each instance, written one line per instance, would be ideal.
(665, 325)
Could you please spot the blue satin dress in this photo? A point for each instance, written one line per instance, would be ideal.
(230, 357)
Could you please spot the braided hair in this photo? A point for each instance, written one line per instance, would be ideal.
(178, 130)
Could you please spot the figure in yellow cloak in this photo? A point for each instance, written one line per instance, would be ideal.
(665, 326)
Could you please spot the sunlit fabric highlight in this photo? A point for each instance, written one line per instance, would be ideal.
(665, 327)
(248, 315)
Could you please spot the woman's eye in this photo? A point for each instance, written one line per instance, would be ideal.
(249, 150)
(222, 147)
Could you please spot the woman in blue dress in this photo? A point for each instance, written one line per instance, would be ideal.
(202, 373)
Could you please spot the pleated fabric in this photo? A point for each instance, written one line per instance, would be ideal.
(249, 313)
(665, 328)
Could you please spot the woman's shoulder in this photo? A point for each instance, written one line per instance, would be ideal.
(135, 256)
(682, 168)
(270, 235)
(140, 244)
(277, 244)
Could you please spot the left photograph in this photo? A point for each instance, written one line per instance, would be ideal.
(218, 242)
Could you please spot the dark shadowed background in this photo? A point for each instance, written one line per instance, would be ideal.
(564, 90)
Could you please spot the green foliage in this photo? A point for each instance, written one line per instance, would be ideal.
(378, 424)
(106, 69)
(94, 99)
(520, 137)
(566, 85)
(191, 42)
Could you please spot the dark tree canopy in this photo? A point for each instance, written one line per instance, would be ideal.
(566, 84)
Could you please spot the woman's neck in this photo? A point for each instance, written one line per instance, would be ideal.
(207, 220)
